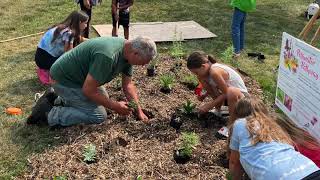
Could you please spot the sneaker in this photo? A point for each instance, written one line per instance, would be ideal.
(236, 56)
(223, 133)
(49, 94)
(39, 114)
(44, 103)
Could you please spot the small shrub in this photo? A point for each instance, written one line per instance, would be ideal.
(226, 57)
(132, 104)
(188, 107)
(167, 81)
(190, 80)
(189, 141)
(117, 84)
(139, 177)
(229, 176)
(89, 153)
(60, 178)
(177, 50)
(153, 63)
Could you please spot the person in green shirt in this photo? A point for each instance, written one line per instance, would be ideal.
(79, 75)
(241, 8)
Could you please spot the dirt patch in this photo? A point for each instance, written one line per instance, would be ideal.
(127, 148)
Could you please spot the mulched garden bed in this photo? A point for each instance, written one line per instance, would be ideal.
(127, 148)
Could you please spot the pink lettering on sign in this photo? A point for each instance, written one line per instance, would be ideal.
(310, 72)
(303, 57)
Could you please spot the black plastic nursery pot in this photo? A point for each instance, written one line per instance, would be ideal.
(175, 122)
(165, 90)
(180, 158)
(151, 72)
(90, 162)
(191, 86)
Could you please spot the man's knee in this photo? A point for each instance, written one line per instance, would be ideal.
(100, 115)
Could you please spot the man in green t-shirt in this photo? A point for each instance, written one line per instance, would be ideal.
(241, 8)
(79, 75)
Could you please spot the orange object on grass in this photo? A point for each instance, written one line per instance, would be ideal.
(13, 111)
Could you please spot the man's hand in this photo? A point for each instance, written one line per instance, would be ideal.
(122, 108)
(143, 117)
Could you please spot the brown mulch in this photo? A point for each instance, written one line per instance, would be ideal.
(147, 149)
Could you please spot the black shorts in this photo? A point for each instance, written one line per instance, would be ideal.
(124, 19)
(43, 59)
(313, 176)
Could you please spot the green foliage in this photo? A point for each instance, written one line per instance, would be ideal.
(229, 176)
(139, 177)
(89, 153)
(132, 104)
(189, 141)
(167, 81)
(263, 34)
(60, 177)
(188, 107)
(191, 80)
(117, 84)
(153, 63)
(226, 57)
(177, 50)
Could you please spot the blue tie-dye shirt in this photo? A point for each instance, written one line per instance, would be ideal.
(56, 48)
(269, 161)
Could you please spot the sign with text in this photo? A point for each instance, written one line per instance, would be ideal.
(298, 86)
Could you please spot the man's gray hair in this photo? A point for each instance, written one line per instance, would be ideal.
(145, 46)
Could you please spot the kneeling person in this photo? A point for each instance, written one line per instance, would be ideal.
(80, 74)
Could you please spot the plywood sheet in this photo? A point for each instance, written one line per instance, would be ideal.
(161, 31)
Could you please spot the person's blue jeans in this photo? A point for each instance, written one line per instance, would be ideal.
(239, 18)
(76, 109)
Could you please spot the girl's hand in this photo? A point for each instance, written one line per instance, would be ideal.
(204, 108)
(202, 97)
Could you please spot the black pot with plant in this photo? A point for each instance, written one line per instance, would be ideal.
(184, 154)
(166, 83)
(151, 70)
(180, 157)
(190, 81)
(175, 122)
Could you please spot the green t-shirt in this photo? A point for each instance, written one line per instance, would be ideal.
(101, 57)
(244, 5)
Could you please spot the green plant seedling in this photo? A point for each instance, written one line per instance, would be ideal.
(117, 83)
(229, 176)
(188, 107)
(132, 104)
(190, 80)
(89, 153)
(139, 177)
(153, 63)
(167, 81)
(189, 141)
(60, 178)
(177, 50)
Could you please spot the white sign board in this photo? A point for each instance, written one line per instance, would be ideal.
(298, 87)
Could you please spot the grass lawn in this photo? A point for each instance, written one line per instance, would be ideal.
(18, 82)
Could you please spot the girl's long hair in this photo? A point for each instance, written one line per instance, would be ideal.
(298, 135)
(73, 22)
(261, 126)
(197, 58)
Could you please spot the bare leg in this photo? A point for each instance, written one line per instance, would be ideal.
(114, 32)
(233, 96)
(126, 32)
